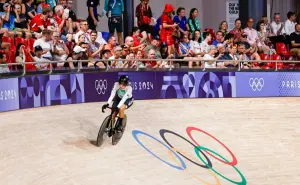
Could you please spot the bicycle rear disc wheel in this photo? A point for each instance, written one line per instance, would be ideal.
(101, 134)
(117, 136)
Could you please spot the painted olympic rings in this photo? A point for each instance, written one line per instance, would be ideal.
(173, 153)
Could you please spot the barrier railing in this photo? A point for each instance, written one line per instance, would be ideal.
(139, 61)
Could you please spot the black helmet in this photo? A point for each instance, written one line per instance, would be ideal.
(124, 80)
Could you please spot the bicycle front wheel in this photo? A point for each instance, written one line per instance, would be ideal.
(101, 134)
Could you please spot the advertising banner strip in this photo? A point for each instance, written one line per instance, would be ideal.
(9, 94)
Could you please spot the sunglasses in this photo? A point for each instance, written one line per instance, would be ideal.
(244, 36)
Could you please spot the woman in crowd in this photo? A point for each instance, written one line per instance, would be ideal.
(262, 34)
(168, 26)
(193, 22)
(144, 17)
(181, 20)
(223, 27)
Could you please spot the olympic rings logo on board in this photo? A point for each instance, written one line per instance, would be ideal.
(101, 86)
(256, 83)
(176, 153)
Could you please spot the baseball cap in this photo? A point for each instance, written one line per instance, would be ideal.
(78, 49)
(38, 48)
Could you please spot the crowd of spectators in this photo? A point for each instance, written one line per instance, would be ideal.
(41, 31)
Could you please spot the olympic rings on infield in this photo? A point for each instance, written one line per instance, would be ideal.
(199, 148)
(210, 171)
(136, 132)
(234, 160)
(162, 134)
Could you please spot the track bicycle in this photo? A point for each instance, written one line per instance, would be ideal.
(108, 129)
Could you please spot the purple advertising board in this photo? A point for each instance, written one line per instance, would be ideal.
(257, 84)
(288, 84)
(99, 85)
(145, 85)
(9, 94)
(198, 85)
(47, 90)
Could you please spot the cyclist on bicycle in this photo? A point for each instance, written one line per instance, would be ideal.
(121, 97)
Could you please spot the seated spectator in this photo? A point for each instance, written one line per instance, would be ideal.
(181, 20)
(3, 68)
(83, 31)
(195, 44)
(152, 63)
(231, 56)
(250, 50)
(267, 26)
(60, 51)
(155, 46)
(117, 55)
(237, 30)
(41, 22)
(78, 53)
(228, 41)
(253, 39)
(295, 41)
(125, 51)
(193, 22)
(95, 48)
(39, 7)
(8, 17)
(185, 51)
(20, 55)
(262, 35)
(21, 24)
(61, 22)
(219, 39)
(289, 25)
(38, 52)
(223, 27)
(210, 57)
(130, 61)
(277, 27)
(105, 55)
(136, 32)
(221, 52)
(115, 10)
(112, 43)
(45, 43)
(204, 44)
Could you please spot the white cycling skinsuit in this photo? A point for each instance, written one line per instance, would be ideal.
(120, 97)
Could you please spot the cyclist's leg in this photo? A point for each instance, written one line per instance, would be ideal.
(126, 105)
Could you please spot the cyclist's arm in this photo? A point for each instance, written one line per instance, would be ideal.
(113, 93)
(127, 95)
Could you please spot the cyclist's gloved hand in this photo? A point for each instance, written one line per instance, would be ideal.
(116, 109)
(104, 107)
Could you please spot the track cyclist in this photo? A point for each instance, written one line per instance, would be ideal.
(121, 99)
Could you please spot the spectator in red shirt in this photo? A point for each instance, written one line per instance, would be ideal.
(168, 27)
(41, 21)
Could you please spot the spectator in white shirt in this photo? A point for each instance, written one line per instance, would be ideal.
(45, 43)
(253, 38)
(277, 27)
(59, 49)
(212, 50)
(38, 50)
(83, 30)
(195, 44)
(289, 25)
(204, 44)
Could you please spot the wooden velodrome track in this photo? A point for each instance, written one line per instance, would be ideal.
(52, 146)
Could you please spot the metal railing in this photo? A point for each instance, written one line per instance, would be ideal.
(139, 61)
